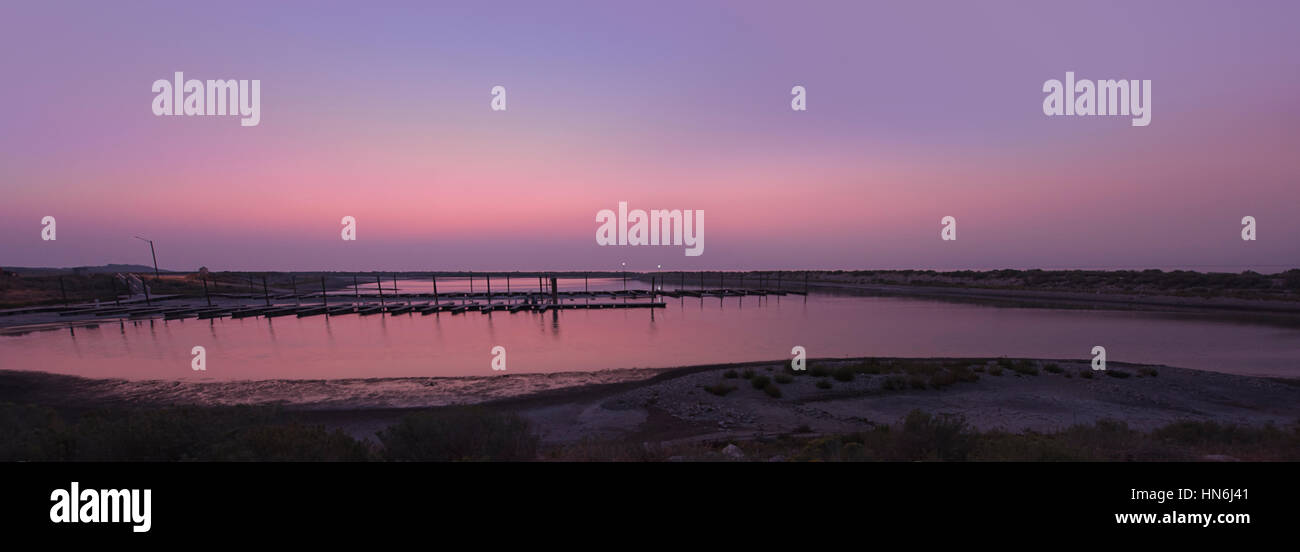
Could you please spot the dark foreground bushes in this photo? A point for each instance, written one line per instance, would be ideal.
(30, 433)
(922, 436)
(168, 434)
(470, 433)
(33, 433)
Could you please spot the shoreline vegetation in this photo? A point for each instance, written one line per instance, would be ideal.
(861, 409)
(34, 434)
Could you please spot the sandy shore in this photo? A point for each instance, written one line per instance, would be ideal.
(677, 405)
(674, 404)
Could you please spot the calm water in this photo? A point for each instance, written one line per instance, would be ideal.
(689, 331)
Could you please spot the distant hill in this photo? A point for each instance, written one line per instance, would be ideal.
(110, 268)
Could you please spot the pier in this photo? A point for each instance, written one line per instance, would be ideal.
(266, 302)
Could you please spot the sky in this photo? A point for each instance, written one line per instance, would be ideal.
(915, 111)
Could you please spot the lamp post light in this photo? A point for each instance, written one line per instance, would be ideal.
(154, 255)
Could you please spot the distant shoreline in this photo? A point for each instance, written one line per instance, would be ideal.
(1065, 298)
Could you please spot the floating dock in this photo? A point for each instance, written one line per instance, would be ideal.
(273, 305)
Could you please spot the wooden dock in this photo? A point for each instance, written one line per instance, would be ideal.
(387, 303)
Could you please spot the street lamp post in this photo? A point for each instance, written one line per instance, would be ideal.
(154, 255)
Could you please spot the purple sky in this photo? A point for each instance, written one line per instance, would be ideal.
(916, 110)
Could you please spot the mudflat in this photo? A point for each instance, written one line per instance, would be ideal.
(733, 401)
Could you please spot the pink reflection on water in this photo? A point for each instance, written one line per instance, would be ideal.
(690, 331)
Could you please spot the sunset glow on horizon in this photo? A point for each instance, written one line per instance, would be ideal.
(385, 118)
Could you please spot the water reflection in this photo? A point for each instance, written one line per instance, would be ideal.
(682, 333)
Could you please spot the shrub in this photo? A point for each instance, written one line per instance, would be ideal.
(1053, 368)
(784, 378)
(748, 373)
(759, 382)
(939, 380)
(164, 434)
(168, 434)
(1214, 435)
(459, 433)
(963, 373)
(772, 391)
(1148, 371)
(289, 442)
(853, 451)
(844, 373)
(1024, 368)
(730, 374)
(1085, 373)
(818, 370)
(1117, 373)
(942, 437)
(823, 384)
(868, 367)
(720, 389)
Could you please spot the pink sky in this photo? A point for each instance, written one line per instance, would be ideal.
(916, 111)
